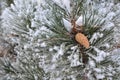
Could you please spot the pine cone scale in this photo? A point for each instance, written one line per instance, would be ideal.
(82, 39)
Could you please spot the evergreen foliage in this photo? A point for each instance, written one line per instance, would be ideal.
(47, 51)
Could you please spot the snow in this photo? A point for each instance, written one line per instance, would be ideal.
(100, 55)
(49, 61)
(109, 25)
(39, 1)
(35, 77)
(75, 60)
(64, 4)
(95, 36)
(67, 25)
(37, 33)
(110, 15)
(106, 45)
(80, 21)
(73, 47)
(91, 63)
(102, 11)
(43, 44)
(33, 23)
(26, 47)
(50, 49)
(116, 57)
(55, 47)
(60, 52)
(100, 76)
(97, 70)
(57, 79)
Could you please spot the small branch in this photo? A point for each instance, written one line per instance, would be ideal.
(84, 55)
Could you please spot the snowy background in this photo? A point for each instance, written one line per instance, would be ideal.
(21, 23)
